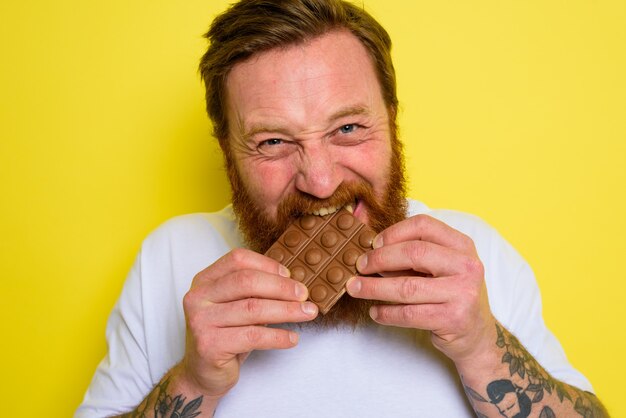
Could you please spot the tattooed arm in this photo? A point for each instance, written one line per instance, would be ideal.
(511, 383)
(434, 279)
(172, 398)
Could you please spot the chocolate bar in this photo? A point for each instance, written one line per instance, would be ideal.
(321, 252)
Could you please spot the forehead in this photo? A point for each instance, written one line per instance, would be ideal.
(298, 82)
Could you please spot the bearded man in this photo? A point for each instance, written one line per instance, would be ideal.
(302, 97)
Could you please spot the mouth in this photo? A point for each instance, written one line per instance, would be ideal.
(332, 209)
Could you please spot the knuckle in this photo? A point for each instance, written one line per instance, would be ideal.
(466, 241)
(197, 318)
(476, 289)
(408, 288)
(244, 280)
(193, 321)
(474, 267)
(421, 220)
(202, 339)
(190, 301)
(471, 293)
(459, 316)
(423, 223)
(408, 313)
(285, 286)
(279, 338)
(253, 307)
(238, 255)
(415, 251)
(253, 336)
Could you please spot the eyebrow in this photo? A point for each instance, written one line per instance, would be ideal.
(341, 113)
(349, 111)
(262, 128)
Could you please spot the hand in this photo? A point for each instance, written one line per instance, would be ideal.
(226, 311)
(435, 281)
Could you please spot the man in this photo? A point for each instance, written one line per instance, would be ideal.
(302, 97)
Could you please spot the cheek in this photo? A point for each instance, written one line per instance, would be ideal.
(372, 164)
(267, 183)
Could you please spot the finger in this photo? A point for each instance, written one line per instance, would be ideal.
(409, 290)
(239, 340)
(249, 283)
(254, 311)
(420, 256)
(428, 317)
(238, 259)
(425, 228)
(404, 273)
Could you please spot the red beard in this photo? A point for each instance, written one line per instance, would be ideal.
(260, 231)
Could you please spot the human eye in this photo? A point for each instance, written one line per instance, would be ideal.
(349, 134)
(348, 128)
(270, 142)
(275, 147)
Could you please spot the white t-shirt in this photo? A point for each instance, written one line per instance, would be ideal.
(373, 371)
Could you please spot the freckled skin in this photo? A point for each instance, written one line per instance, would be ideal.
(302, 96)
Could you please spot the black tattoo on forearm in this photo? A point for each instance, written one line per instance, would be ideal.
(166, 406)
(527, 384)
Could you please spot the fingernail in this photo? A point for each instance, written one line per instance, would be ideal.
(353, 286)
(378, 241)
(293, 337)
(301, 291)
(284, 271)
(309, 308)
(361, 262)
(373, 313)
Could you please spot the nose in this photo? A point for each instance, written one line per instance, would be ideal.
(318, 174)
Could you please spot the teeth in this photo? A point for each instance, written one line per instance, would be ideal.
(326, 211)
(349, 208)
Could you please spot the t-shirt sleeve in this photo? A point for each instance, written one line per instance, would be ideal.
(122, 378)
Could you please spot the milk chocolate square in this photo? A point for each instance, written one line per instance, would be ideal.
(321, 252)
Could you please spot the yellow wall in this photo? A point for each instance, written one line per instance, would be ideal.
(513, 110)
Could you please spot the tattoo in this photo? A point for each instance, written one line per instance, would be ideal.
(166, 406)
(525, 366)
(513, 400)
(547, 412)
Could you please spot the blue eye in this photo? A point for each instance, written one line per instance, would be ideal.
(272, 141)
(346, 129)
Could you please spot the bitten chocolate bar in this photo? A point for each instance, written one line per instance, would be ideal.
(321, 252)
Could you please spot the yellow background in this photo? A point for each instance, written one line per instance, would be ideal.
(513, 110)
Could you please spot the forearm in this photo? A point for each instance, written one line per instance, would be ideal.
(174, 396)
(507, 380)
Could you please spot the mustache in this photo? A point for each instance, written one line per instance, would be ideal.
(298, 203)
